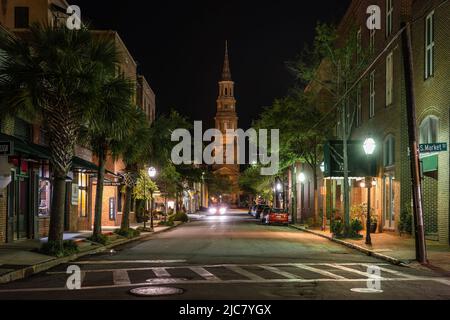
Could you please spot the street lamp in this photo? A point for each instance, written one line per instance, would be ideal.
(151, 173)
(301, 177)
(322, 167)
(369, 148)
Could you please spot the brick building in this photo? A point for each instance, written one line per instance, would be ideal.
(25, 203)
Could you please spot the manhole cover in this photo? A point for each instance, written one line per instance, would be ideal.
(155, 291)
(366, 290)
(165, 280)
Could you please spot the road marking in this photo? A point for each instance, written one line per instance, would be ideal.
(179, 281)
(204, 273)
(281, 272)
(319, 271)
(397, 273)
(128, 261)
(120, 277)
(245, 273)
(161, 272)
(361, 273)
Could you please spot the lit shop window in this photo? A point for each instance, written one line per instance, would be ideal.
(44, 191)
(83, 183)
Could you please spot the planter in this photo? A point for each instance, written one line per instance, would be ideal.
(373, 227)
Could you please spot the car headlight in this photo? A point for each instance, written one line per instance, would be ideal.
(213, 210)
(222, 210)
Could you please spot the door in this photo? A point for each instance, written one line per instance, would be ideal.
(22, 207)
(389, 202)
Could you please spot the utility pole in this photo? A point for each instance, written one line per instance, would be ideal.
(419, 230)
(345, 153)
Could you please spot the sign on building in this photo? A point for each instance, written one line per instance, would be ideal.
(6, 148)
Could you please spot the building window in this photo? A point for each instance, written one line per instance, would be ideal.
(83, 183)
(389, 17)
(429, 46)
(429, 130)
(44, 191)
(21, 17)
(372, 95)
(389, 151)
(22, 129)
(359, 106)
(389, 79)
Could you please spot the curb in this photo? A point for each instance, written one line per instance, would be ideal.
(43, 266)
(355, 246)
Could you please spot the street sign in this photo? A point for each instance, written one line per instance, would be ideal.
(432, 147)
(6, 148)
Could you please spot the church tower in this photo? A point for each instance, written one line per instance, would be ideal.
(226, 118)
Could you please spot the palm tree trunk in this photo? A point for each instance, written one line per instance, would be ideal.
(99, 195)
(125, 225)
(56, 228)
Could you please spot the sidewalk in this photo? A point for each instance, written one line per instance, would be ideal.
(21, 259)
(394, 248)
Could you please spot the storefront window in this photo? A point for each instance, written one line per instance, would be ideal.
(83, 182)
(44, 191)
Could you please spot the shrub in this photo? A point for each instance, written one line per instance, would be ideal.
(129, 233)
(406, 220)
(355, 228)
(168, 223)
(337, 227)
(53, 248)
(181, 216)
(102, 239)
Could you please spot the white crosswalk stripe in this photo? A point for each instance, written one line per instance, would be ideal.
(204, 273)
(350, 270)
(245, 273)
(281, 272)
(161, 272)
(319, 271)
(121, 277)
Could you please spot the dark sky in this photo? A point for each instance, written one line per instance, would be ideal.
(179, 46)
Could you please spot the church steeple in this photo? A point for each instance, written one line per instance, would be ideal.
(226, 73)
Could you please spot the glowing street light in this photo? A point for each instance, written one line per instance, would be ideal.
(369, 146)
(279, 187)
(322, 167)
(301, 177)
(151, 172)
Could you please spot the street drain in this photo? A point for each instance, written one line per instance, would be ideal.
(366, 290)
(155, 291)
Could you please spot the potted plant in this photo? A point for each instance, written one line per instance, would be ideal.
(373, 223)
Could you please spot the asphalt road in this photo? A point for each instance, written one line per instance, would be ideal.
(234, 257)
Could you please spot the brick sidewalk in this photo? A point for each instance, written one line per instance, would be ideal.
(400, 248)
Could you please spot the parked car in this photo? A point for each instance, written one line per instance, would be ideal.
(259, 209)
(275, 216)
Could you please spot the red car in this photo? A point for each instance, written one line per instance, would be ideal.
(275, 216)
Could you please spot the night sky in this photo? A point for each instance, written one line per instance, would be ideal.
(179, 46)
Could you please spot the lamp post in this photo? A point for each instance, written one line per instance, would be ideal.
(301, 178)
(151, 173)
(369, 149)
(324, 210)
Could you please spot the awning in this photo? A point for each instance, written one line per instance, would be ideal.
(27, 148)
(81, 164)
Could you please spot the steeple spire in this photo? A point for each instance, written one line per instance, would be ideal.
(226, 73)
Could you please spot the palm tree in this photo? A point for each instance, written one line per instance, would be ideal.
(109, 123)
(53, 75)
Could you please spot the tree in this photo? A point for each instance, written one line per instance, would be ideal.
(109, 123)
(53, 77)
(331, 70)
(252, 182)
(218, 185)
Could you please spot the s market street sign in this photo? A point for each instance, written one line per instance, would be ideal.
(6, 148)
(432, 147)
